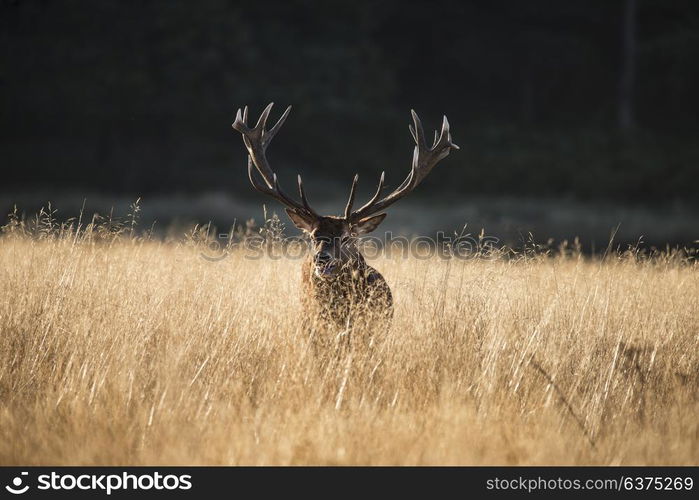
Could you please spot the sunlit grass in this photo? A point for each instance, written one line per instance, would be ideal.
(117, 349)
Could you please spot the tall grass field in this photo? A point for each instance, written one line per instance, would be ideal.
(119, 348)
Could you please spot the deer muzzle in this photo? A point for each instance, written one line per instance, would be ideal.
(325, 265)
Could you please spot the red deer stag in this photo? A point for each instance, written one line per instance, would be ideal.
(339, 286)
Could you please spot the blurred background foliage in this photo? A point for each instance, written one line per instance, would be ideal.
(591, 100)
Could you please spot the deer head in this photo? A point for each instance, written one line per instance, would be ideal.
(333, 237)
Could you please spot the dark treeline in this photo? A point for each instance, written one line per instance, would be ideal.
(593, 99)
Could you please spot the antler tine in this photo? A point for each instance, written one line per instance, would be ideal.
(444, 136)
(445, 125)
(350, 201)
(379, 188)
(256, 140)
(424, 160)
(418, 133)
(302, 193)
(241, 125)
(262, 120)
(287, 200)
(412, 132)
(355, 214)
(240, 121)
(273, 131)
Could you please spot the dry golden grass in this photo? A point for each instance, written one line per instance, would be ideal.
(131, 351)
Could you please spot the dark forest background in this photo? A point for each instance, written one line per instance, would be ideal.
(589, 101)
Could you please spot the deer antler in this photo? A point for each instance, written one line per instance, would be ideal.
(424, 160)
(256, 140)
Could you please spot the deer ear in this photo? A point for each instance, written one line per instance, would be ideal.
(368, 224)
(302, 222)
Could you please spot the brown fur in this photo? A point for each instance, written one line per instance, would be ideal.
(358, 289)
(356, 298)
